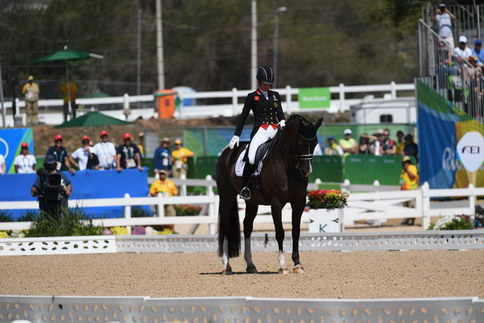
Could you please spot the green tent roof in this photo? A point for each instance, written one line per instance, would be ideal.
(92, 119)
(63, 55)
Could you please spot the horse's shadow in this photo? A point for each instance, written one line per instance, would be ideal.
(242, 273)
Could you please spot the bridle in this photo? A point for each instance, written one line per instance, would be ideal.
(309, 155)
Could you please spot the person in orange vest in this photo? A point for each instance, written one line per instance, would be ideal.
(180, 157)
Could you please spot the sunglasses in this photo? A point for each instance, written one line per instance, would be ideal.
(85, 141)
(58, 140)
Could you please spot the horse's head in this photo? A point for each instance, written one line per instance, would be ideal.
(303, 135)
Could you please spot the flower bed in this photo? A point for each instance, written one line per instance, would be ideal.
(327, 199)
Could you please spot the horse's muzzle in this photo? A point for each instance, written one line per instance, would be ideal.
(305, 168)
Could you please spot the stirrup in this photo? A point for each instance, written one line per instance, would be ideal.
(245, 193)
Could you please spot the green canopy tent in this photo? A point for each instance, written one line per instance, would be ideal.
(67, 55)
(92, 119)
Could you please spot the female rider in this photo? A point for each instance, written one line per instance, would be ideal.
(266, 107)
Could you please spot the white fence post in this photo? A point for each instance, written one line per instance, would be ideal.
(419, 207)
(425, 205)
(160, 206)
(393, 90)
(288, 99)
(127, 212)
(345, 187)
(183, 188)
(341, 97)
(212, 212)
(235, 101)
(376, 222)
(472, 199)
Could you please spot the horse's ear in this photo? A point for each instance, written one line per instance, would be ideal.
(318, 123)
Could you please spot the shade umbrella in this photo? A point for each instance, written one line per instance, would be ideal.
(92, 119)
(67, 55)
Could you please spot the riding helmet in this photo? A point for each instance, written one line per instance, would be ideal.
(265, 74)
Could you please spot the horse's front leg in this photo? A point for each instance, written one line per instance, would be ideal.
(297, 210)
(250, 214)
(276, 210)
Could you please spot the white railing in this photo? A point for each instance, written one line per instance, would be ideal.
(342, 103)
(368, 206)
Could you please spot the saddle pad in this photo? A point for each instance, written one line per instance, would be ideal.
(239, 165)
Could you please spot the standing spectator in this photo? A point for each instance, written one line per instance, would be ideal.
(348, 144)
(180, 157)
(462, 52)
(162, 157)
(31, 92)
(364, 145)
(444, 62)
(141, 144)
(333, 149)
(69, 89)
(60, 154)
(477, 51)
(389, 147)
(25, 162)
(411, 148)
(128, 155)
(166, 188)
(377, 143)
(85, 156)
(3, 168)
(444, 19)
(400, 142)
(105, 151)
(408, 181)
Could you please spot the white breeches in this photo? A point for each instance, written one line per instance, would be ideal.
(261, 136)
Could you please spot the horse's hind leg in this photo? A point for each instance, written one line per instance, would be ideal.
(250, 214)
(277, 218)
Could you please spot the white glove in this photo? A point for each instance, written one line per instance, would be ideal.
(282, 123)
(234, 142)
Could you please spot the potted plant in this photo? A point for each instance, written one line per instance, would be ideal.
(326, 210)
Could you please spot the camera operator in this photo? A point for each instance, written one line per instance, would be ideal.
(52, 188)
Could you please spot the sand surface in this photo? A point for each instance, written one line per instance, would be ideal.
(380, 274)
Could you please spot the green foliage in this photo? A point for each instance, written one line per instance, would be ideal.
(28, 216)
(72, 223)
(327, 199)
(182, 210)
(140, 212)
(5, 216)
(458, 222)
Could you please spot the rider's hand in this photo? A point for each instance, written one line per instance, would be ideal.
(234, 142)
(282, 123)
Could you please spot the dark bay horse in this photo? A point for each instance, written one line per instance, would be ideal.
(284, 179)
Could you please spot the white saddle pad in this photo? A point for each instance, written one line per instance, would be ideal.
(239, 165)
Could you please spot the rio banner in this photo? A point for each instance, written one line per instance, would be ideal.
(451, 143)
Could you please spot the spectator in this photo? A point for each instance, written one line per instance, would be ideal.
(167, 188)
(477, 51)
(377, 143)
(444, 62)
(348, 144)
(69, 89)
(408, 181)
(141, 144)
(60, 154)
(388, 147)
(462, 52)
(85, 156)
(317, 150)
(180, 157)
(25, 162)
(128, 155)
(444, 20)
(31, 92)
(3, 168)
(411, 148)
(364, 145)
(333, 149)
(162, 157)
(400, 142)
(105, 151)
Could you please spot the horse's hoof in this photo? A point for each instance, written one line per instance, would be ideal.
(251, 270)
(298, 269)
(227, 272)
(283, 271)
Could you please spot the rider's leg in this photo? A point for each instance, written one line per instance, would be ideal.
(259, 138)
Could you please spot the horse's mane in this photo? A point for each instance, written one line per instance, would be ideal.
(306, 129)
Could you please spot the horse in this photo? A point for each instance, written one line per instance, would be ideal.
(283, 179)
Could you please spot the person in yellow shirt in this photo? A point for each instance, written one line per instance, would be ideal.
(408, 181)
(180, 157)
(400, 142)
(166, 188)
(348, 145)
(69, 89)
(31, 92)
(141, 144)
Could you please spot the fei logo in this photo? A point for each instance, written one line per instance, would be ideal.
(471, 150)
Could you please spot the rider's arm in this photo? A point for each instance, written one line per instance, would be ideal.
(243, 116)
(280, 113)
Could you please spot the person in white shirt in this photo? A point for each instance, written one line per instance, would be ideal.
(462, 52)
(25, 162)
(106, 152)
(3, 168)
(83, 154)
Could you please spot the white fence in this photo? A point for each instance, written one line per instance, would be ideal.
(342, 103)
(361, 206)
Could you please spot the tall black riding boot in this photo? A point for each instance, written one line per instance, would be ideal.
(248, 171)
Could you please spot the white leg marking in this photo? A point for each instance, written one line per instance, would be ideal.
(225, 257)
(282, 260)
(248, 253)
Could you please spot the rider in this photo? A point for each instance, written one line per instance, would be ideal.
(266, 107)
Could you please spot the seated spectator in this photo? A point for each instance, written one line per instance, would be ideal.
(25, 162)
(333, 149)
(162, 157)
(462, 52)
(377, 143)
(400, 144)
(128, 155)
(348, 144)
(477, 51)
(411, 148)
(3, 168)
(85, 156)
(388, 145)
(167, 188)
(60, 154)
(364, 146)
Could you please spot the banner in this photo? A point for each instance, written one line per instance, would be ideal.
(10, 140)
(314, 97)
(451, 143)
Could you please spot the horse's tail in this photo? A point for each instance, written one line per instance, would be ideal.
(229, 229)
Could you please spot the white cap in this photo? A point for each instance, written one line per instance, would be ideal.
(347, 132)
(462, 39)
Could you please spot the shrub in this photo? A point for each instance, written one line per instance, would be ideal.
(5, 216)
(140, 212)
(327, 199)
(28, 216)
(458, 222)
(184, 209)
